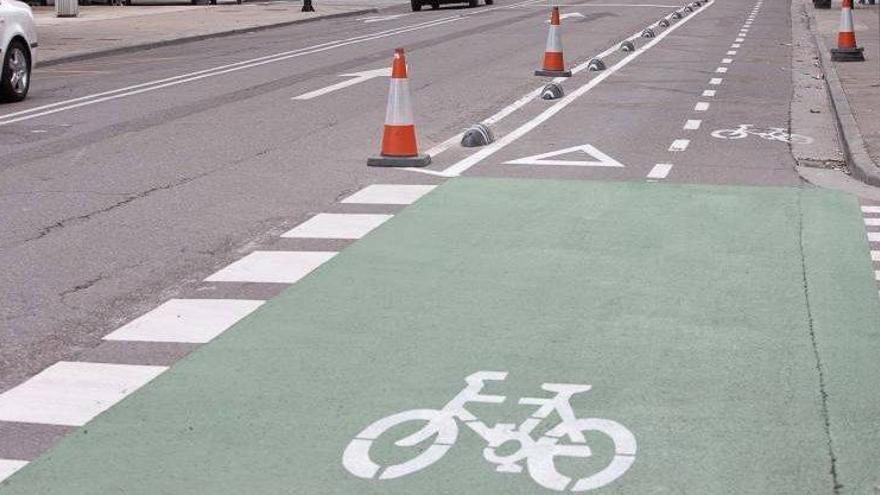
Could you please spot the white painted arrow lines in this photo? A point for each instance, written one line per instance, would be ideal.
(369, 20)
(566, 16)
(601, 159)
(356, 78)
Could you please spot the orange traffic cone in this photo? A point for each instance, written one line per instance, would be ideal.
(846, 50)
(554, 65)
(399, 147)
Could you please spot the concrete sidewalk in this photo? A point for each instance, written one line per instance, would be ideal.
(101, 29)
(858, 83)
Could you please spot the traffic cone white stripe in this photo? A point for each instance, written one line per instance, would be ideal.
(399, 110)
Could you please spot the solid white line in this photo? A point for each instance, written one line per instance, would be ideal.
(466, 163)
(701, 106)
(715, 81)
(660, 171)
(709, 92)
(692, 125)
(871, 209)
(136, 89)
(679, 145)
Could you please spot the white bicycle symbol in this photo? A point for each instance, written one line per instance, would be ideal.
(770, 134)
(539, 455)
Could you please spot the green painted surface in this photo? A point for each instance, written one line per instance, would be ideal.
(683, 306)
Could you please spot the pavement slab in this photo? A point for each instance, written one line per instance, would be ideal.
(730, 330)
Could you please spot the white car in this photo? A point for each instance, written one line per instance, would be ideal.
(18, 49)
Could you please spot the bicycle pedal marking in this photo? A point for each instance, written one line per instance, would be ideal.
(536, 455)
(769, 133)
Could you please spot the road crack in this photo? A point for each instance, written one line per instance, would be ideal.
(820, 368)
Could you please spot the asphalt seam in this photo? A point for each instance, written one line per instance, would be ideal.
(820, 369)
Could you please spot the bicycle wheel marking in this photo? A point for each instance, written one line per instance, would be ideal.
(769, 133)
(538, 455)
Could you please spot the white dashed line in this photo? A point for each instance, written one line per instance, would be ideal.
(721, 70)
(872, 222)
(726, 60)
(692, 125)
(272, 267)
(10, 466)
(875, 255)
(873, 236)
(871, 209)
(732, 52)
(739, 40)
(389, 194)
(660, 171)
(735, 45)
(72, 393)
(715, 81)
(336, 226)
(701, 106)
(194, 321)
(709, 92)
(679, 145)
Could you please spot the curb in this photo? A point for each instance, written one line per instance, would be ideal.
(853, 146)
(187, 39)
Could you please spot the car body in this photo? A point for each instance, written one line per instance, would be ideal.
(18, 49)
(435, 4)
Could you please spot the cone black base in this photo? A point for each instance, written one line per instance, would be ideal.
(847, 54)
(553, 73)
(400, 161)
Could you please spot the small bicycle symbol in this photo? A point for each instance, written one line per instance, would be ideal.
(539, 454)
(770, 134)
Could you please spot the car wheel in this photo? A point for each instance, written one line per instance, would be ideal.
(490, 2)
(473, 3)
(416, 5)
(435, 4)
(15, 78)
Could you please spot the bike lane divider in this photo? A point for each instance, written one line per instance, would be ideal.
(528, 336)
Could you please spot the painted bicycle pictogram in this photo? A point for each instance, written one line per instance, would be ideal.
(770, 134)
(565, 439)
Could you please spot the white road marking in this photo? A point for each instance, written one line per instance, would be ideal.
(566, 16)
(732, 52)
(272, 267)
(871, 209)
(876, 277)
(137, 89)
(368, 20)
(709, 92)
(660, 171)
(873, 236)
(10, 466)
(721, 70)
(735, 45)
(701, 106)
(466, 163)
(356, 78)
(337, 226)
(692, 125)
(715, 81)
(739, 40)
(389, 194)
(875, 255)
(726, 60)
(72, 393)
(679, 145)
(601, 159)
(186, 320)
(872, 222)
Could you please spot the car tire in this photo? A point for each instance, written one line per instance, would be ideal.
(416, 5)
(473, 3)
(15, 77)
(489, 2)
(435, 4)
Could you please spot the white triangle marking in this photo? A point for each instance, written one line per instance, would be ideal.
(601, 159)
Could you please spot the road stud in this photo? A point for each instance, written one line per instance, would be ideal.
(846, 50)
(399, 147)
(554, 65)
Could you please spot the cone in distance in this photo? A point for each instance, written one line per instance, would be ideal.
(399, 147)
(554, 65)
(846, 50)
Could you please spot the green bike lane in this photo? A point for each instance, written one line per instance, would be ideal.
(733, 331)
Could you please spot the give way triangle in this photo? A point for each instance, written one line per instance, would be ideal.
(599, 159)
